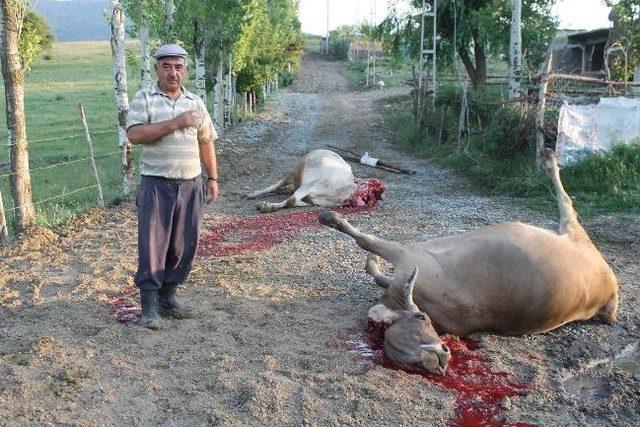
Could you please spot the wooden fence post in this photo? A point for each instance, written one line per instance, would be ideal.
(4, 231)
(92, 159)
(542, 100)
(464, 117)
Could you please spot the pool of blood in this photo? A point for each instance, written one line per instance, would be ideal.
(479, 389)
(124, 306)
(260, 232)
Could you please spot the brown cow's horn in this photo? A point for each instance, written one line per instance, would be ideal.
(408, 292)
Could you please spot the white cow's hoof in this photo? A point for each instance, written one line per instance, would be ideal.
(264, 207)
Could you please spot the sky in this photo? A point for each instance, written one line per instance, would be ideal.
(573, 14)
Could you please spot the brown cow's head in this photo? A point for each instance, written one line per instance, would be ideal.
(411, 338)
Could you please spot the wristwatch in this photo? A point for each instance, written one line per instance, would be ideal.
(212, 178)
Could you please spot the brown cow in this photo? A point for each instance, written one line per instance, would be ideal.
(510, 278)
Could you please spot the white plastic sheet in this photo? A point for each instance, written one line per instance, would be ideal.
(587, 129)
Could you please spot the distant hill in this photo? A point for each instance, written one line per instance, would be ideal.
(75, 20)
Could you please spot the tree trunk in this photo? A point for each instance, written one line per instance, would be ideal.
(218, 91)
(481, 64)
(145, 55)
(4, 231)
(169, 8)
(122, 101)
(12, 15)
(227, 96)
(199, 47)
(515, 50)
(234, 99)
(476, 68)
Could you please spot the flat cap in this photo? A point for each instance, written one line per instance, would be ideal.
(170, 50)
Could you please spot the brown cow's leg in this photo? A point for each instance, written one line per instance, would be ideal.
(391, 251)
(569, 223)
(608, 313)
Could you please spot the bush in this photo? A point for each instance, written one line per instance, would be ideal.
(511, 130)
(286, 78)
(612, 178)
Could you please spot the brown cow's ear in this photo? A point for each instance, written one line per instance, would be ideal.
(408, 291)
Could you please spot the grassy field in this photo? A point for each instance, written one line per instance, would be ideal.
(70, 72)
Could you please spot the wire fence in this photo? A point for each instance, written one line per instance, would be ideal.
(63, 181)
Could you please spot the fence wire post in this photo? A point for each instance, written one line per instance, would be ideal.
(92, 159)
(4, 231)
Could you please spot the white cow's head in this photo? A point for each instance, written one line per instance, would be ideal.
(410, 337)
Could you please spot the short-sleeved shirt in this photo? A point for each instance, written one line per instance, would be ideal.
(177, 154)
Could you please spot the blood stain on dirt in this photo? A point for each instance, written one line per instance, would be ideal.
(480, 391)
(249, 234)
(124, 306)
(259, 233)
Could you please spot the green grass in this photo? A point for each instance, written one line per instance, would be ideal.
(312, 43)
(75, 71)
(392, 72)
(600, 184)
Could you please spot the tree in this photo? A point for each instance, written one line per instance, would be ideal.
(475, 29)
(625, 15)
(12, 13)
(35, 37)
(269, 40)
(253, 39)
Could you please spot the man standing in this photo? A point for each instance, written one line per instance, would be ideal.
(176, 134)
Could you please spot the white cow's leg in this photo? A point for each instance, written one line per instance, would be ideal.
(292, 201)
(569, 223)
(391, 251)
(283, 182)
(373, 268)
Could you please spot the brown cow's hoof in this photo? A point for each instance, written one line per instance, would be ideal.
(329, 218)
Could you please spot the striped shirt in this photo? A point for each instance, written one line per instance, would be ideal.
(177, 154)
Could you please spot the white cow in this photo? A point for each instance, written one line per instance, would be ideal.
(321, 178)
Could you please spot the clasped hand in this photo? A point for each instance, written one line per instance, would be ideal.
(190, 118)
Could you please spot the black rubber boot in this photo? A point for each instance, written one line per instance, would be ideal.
(149, 305)
(169, 305)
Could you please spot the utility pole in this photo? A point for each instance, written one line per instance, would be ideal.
(433, 13)
(371, 13)
(327, 46)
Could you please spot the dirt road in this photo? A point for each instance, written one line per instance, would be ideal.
(277, 338)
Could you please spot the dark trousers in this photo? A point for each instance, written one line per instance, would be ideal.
(169, 220)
